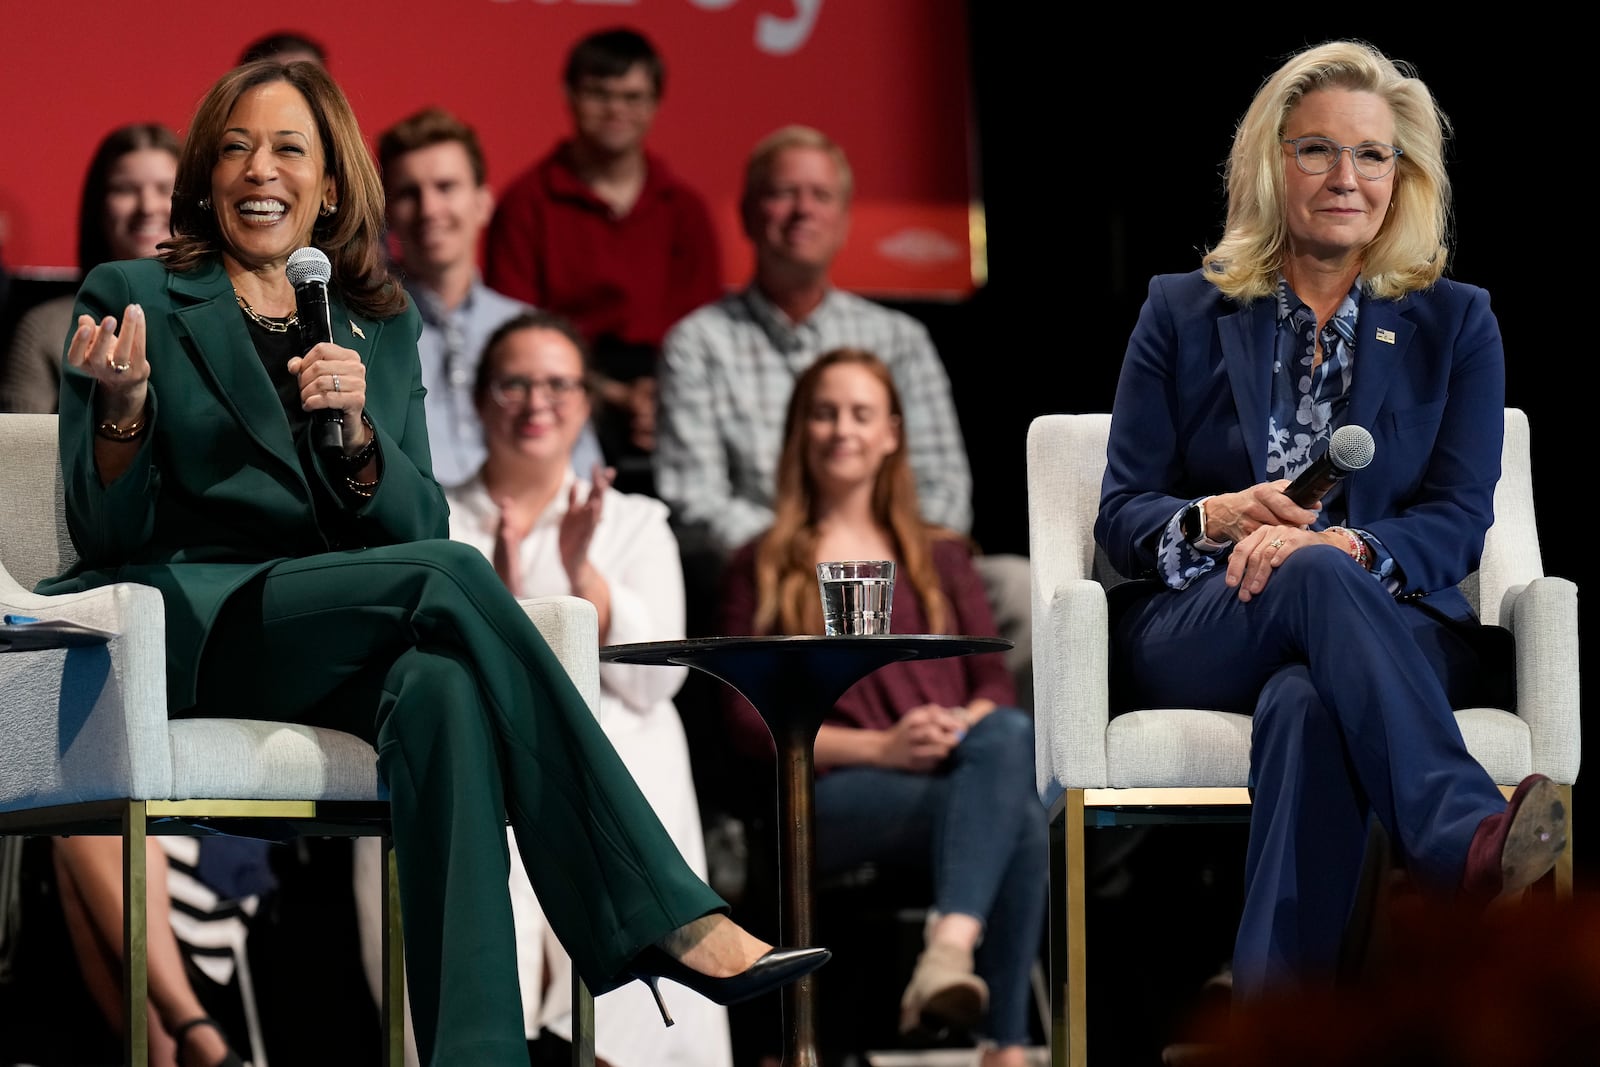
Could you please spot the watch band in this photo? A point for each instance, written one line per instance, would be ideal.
(1200, 540)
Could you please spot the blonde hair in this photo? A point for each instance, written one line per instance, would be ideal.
(1410, 250)
(786, 569)
(759, 166)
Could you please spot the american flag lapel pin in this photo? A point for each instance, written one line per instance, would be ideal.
(1386, 336)
(357, 331)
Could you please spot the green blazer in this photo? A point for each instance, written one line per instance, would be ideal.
(220, 490)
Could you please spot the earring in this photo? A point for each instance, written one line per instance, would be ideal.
(204, 204)
(328, 209)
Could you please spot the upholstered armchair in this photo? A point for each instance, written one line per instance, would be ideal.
(1173, 764)
(86, 745)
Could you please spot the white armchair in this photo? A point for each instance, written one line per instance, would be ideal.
(1171, 764)
(86, 746)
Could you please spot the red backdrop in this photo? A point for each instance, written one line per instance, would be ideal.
(888, 79)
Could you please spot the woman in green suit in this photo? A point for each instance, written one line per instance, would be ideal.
(319, 585)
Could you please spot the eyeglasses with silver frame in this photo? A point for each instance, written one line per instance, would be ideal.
(1319, 155)
(514, 391)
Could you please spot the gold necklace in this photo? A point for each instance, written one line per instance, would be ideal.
(270, 325)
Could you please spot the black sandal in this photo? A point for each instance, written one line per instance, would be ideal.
(181, 1034)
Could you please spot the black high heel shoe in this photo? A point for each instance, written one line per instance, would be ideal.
(777, 968)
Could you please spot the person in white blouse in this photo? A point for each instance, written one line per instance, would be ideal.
(549, 531)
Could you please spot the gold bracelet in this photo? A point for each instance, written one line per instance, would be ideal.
(362, 489)
(112, 432)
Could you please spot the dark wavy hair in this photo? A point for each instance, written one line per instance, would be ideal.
(352, 236)
(94, 248)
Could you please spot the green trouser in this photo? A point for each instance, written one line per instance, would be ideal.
(475, 721)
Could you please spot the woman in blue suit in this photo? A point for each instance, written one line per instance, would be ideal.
(1338, 626)
(319, 585)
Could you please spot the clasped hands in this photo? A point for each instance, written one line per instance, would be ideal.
(924, 736)
(1266, 528)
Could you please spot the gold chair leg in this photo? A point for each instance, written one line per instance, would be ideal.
(1068, 962)
(1563, 871)
(1077, 930)
(135, 938)
(582, 1023)
(393, 1009)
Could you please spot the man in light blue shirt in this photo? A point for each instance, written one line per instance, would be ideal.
(439, 204)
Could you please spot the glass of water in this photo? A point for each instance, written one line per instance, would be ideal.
(857, 596)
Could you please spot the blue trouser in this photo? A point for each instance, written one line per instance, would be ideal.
(419, 648)
(978, 824)
(1351, 694)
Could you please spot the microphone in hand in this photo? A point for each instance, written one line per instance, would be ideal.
(1350, 448)
(309, 272)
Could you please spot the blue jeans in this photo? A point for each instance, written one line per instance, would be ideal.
(979, 827)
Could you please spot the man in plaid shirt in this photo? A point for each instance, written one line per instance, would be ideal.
(728, 368)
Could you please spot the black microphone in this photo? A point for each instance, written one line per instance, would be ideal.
(1349, 449)
(309, 271)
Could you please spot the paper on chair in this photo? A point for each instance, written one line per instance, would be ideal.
(19, 633)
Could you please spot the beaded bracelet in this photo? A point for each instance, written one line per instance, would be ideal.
(363, 455)
(112, 432)
(1358, 547)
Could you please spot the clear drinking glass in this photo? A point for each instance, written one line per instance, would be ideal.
(857, 596)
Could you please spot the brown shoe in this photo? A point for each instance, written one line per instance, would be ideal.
(1512, 850)
(943, 991)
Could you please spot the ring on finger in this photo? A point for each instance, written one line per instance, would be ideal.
(1275, 544)
(120, 368)
(336, 384)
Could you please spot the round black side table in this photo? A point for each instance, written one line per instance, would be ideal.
(793, 682)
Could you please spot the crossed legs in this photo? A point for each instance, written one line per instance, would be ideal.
(420, 648)
(1351, 697)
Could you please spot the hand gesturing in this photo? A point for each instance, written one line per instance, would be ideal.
(116, 360)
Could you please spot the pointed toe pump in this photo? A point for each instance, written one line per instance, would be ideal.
(772, 971)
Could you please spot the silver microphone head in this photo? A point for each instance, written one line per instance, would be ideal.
(311, 265)
(1349, 449)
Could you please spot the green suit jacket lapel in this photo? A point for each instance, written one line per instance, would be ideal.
(205, 310)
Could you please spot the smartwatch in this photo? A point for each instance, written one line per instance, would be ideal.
(1192, 525)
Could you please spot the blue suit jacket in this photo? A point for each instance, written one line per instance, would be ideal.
(1428, 381)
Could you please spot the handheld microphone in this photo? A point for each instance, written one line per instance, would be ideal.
(309, 271)
(1350, 448)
